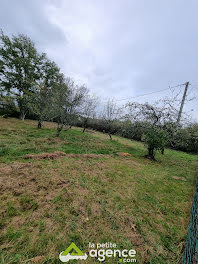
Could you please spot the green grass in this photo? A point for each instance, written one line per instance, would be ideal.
(17, 140)
(131, 201)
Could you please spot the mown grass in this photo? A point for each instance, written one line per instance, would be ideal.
(18, 139)
(131, 201)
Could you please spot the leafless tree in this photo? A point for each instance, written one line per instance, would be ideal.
(158, 118)
(67, 98)
(110, 114)
(76, 99)
(88, 110)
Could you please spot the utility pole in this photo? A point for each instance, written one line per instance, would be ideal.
(182, 103)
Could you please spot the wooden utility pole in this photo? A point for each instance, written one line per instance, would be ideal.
(182, 103)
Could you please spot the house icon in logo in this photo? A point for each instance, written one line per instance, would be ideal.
(72, 252)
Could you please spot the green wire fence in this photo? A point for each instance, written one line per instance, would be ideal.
(190, 255)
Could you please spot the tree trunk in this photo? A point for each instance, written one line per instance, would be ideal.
(162, 151)
(59, 128)
(84, 129)
(151, 153)
(110, 136)
(22, 115)
(39, 124)
(21, 107)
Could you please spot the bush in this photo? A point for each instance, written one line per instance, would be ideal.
(155, 140)
(187, 139)
(8, 108)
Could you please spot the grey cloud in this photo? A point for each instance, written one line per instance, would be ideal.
(29, 17)
(118, 48)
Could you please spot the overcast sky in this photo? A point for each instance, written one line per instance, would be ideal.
(118, 48)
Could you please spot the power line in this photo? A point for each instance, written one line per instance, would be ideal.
(179, 85)
(171, 87)
(194, 85)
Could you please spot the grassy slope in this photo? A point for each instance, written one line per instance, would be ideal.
(46, 204)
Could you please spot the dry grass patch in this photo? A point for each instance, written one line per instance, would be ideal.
(49, 198)
(78, 188)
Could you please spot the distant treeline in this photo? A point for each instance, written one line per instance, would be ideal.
(186, 139)
(32, 86)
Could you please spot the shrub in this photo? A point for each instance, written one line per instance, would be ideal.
(155, 140)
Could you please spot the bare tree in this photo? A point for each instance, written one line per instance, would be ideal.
(67, 98)
(160, 120)
(110, 114)
(76, 99)
(157, 117)
(88, 110)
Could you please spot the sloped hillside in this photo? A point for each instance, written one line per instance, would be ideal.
(82, 187)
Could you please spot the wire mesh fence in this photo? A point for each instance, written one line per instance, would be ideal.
(190, 255)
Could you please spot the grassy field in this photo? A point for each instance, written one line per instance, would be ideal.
(95, 195)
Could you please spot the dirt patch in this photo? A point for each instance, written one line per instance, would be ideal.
(123, 154)
(179, 178)
(88, 156)
(59, 154)
(52, 155)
